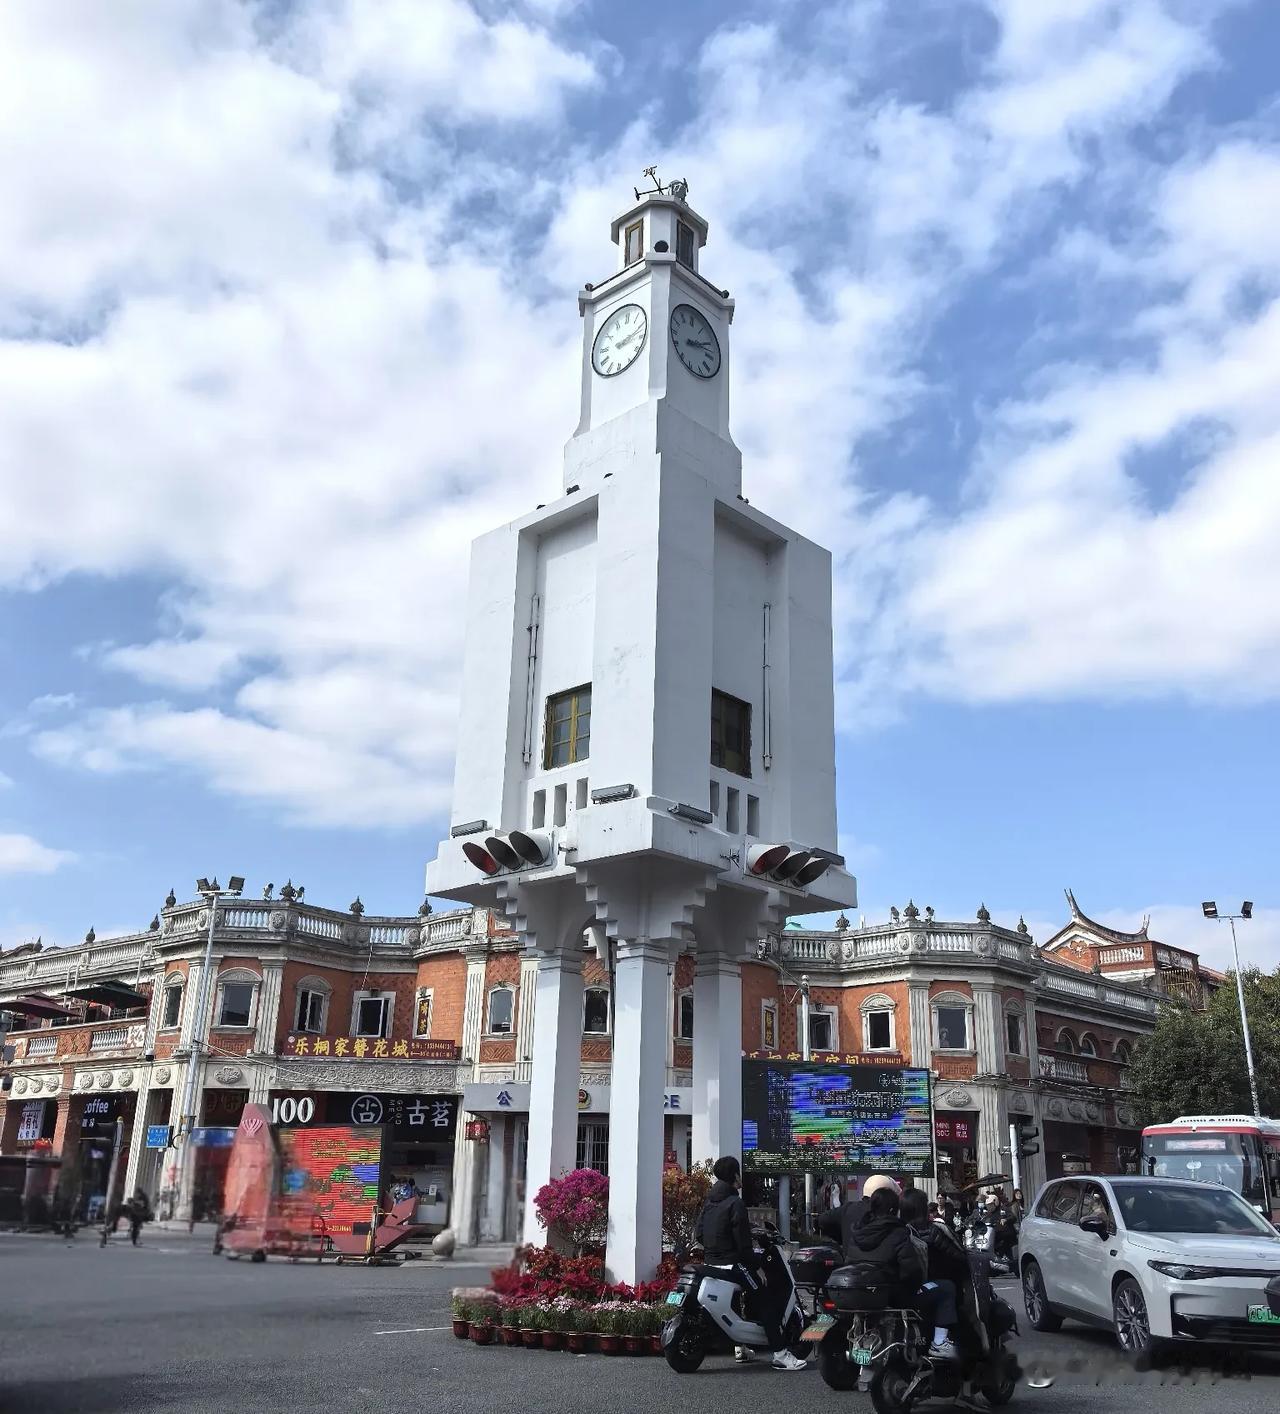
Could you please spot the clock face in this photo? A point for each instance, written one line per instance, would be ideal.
(695, 341)
(619, 340)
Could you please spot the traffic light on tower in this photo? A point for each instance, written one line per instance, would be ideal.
(784, 865)
(514, 850)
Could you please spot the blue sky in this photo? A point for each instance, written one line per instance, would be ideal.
(287, 316)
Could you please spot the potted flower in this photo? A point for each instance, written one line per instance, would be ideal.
(552, 1332)
(482, 1314)
(607, 1314)
(656, 1319)
(462, 1309)
(531, 1326)
(569, 1317)
(509, 1330)
(634, 1337)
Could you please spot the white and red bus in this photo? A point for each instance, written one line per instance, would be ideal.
(1238, 1151)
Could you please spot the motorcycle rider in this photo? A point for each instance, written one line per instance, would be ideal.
(723, 1230)
(950, 1276)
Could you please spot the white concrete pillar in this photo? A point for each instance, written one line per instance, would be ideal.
(989, 1033)
(554, 1079)
(717, 1057)
(993, 1129)
(526, 1009)
(264, 1039)
(634, 1245)
(921, 1025)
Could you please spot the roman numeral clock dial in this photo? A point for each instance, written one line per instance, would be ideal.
(619, 340)
(695, 341)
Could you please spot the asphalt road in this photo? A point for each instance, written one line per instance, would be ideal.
(169, 1327)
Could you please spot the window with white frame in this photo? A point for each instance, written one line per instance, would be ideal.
(593, 1145)
(952, 1022)
(171, 1006)
(237, 998)
(878, 1023)
(1124, 1052)
(1088, 1045)
(684, 1016)
(595, 1014)
(1066, 1043)
(311, 1005)
(502, 1011)
(1015, 1032)
(371, 1013)
(824, 1031)
(769, 1025)
(422, 1012)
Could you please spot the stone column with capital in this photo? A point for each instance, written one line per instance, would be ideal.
(993, 1129)
(464, 1216)
(634, 1245)
(989, 1033)
(554, 1078)
(921, 1025)
(717, 1056)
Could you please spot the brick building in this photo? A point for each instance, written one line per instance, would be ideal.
(426, 1022)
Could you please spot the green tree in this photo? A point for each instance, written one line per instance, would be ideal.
(1193, 1063)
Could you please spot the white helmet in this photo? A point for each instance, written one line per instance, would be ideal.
(879, 1181)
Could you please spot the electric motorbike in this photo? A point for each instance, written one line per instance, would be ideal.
(980, 1238)
(711, 1313)
(861, 1329)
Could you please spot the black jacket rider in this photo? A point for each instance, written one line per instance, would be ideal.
(723, 1228)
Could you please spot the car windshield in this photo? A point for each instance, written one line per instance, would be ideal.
(1232, 1160)
(1159, 1207)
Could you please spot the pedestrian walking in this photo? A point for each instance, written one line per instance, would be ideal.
(138, 1211)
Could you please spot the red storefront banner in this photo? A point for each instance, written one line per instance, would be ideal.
(298, 1043)
(828, 1057)
(953, 1131)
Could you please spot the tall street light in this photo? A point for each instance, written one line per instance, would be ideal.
(1210, 910)
(213, 895)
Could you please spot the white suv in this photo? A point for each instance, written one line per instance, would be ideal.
(1156, 1259)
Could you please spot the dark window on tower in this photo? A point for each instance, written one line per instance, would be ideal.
(730, 733)
(634, 239)
(684, 244)
(568, 735)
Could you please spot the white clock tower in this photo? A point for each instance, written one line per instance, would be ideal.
(646, 751)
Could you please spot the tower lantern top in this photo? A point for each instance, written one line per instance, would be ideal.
(660, 223)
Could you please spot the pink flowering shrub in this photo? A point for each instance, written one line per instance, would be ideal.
(575, 1208)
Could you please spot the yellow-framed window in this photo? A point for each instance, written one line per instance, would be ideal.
(568, 729)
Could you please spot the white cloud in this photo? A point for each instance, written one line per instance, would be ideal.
(21, 854)
(1185, 926)
(289, 297)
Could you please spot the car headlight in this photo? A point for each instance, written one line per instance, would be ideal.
(1179, 1271)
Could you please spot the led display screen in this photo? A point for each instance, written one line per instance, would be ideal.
(331, 1171)
(806, 1117)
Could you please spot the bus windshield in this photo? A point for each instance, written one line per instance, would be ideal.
(1233, 1160)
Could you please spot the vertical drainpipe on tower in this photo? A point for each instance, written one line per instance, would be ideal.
(766, 705)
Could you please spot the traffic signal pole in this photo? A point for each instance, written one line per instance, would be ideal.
(1015, 1158)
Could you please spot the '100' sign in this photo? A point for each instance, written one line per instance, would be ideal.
(291, 1111)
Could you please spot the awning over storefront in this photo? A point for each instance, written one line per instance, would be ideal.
(36, 1004)
(114, 994)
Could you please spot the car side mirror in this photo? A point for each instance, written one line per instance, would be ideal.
(1098, 1226)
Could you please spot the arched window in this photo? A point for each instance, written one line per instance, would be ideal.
(1066, 1042)
(878, 1023)
(595, 1011)
(171, 1005)
(952, 1021)
(502, 1011)
(1124, 1052)
(237, 998)
(1088, 1045)
(311, 1005)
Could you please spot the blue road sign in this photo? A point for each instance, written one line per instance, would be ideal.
(158, 1136)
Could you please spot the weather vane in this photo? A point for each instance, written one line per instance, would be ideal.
(679, 188)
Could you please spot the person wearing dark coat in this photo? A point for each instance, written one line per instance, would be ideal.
(723, 1230)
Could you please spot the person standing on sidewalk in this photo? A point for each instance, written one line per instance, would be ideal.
(138, 1211)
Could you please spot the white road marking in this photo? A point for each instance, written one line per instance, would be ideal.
(413, 1330)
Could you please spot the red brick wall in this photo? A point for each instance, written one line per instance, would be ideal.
(446, 975)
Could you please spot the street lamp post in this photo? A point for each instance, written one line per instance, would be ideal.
(1210, 910)
(804, 1052)
(213, 896)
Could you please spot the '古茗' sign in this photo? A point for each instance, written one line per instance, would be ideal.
(513, 1098)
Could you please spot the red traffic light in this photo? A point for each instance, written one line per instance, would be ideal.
(481, 858)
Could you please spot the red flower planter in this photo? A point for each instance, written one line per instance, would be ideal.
(636, 1344)
(510, 1335)
(482, 1335)
(576, 1341)
(552, 1340)
(461, 1329)
(655, 1345)
(532, 1340)
(608, 1344)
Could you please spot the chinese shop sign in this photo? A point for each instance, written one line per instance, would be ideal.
(299, 1043)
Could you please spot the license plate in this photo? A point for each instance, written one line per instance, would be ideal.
(676, 1298)
(817, 1328)
(861, 1356)
(1263, 1316)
